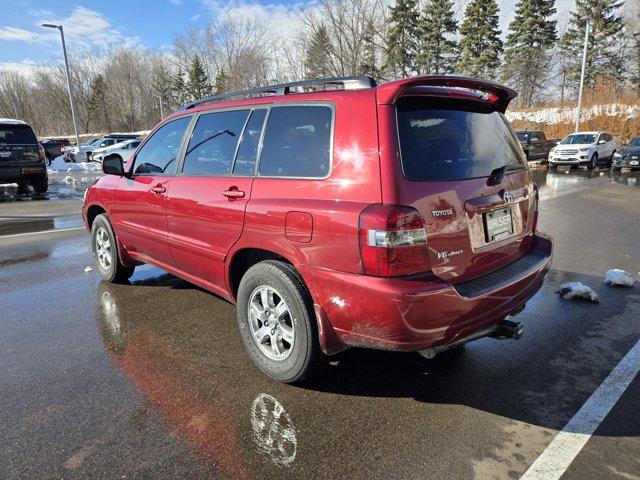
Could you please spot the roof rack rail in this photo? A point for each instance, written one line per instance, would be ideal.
(347, 83)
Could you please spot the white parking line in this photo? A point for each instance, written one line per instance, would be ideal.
(564, 448)
(43, 232)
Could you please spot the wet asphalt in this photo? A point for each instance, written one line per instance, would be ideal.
(150, 380)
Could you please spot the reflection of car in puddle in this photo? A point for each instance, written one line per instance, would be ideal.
(551, 180)
(273, 430)
(202, 405)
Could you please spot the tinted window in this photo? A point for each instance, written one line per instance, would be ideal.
(248, 150)
(17, 134)
(452, 144)
(158, 154)
(297, 142)
(213, 143)
(635, 142)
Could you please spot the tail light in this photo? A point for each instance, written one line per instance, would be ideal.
(393, 241)
(41, 155)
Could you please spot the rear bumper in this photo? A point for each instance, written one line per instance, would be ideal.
(26, 171)
(410, 313)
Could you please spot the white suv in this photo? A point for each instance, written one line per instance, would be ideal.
(583, 148)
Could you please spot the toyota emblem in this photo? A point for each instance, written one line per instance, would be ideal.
(507, 197)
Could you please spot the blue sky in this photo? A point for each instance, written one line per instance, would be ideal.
(100, 25)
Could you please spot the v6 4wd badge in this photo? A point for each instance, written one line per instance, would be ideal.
(447, 254)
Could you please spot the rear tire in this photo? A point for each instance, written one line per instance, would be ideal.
(281, 337)
(105, 252)
(593, 162)
(41, 185)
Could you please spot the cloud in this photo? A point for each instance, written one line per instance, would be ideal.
(26, 66)
(13, 34)
(175, 2)
(281, 17)
(196, 17)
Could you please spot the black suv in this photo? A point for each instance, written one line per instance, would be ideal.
(22, 158)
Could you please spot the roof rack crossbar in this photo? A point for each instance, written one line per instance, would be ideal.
(347, 83)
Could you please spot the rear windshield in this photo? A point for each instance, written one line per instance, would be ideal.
(17, 135)
(454, 141)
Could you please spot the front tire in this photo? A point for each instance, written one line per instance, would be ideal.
(593, 162)
(105, 252)
(277, 321)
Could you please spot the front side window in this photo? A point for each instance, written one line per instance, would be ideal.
(297, 142)
(454, 141)
(158, 155)
(213, 143)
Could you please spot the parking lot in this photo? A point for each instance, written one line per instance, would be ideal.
(151, 380)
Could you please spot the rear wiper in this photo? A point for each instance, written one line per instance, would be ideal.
(496, 176)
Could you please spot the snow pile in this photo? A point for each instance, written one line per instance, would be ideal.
(571, 290)
(69, 180)
(58, 164)
(619, 277)
(555, 115)
(88, 269)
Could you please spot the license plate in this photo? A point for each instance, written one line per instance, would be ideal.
(498, 224)
(634, 162)
(5, 154)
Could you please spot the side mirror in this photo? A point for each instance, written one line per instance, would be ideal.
(112, 165)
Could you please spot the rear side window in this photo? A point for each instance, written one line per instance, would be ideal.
(248, 150)
(17, 135)
(213, 143)
(158, 155)
(297, 142)
(451, 143)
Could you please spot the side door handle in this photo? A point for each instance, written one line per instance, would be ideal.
(158, 189)
(233, 193)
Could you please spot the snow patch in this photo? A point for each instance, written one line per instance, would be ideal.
(571, 290)
(69, 180)
(88, 269)
(555, 115)
(58, 164)
(619, 277)
(66, 192)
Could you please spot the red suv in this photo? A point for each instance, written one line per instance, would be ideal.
(335, 213)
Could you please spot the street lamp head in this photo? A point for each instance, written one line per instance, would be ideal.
(52, 25)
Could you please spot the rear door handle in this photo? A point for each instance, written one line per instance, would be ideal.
(158, 189)
(233, 192)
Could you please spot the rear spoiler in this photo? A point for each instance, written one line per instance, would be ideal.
(494, 93)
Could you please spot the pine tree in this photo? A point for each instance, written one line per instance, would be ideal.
(526, 56)
(97, 104)
(438, 48)
(162, 85)
(635, 72)
(317, 62)
(197, 80)
(402, 38)
(221, 82)
(369, 64)
(605, 33)
(480, 45)
(179, 87)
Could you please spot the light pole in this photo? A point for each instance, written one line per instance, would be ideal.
(70, 88)
(584, 65)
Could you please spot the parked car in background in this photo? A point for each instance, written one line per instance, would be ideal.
(22, 158)
(419, 184)
(82, 154)
(122, 150)
(535, 144)
(584, 148)
(54, 147)
(629, 156)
